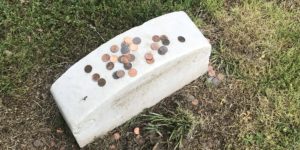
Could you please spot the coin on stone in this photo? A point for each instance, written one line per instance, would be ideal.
(114, 75)
(128, 40)
(148, 56)
(181, 39)
(162, 50)
(131, 57)
(137, 40)
(132, 72)
(120, 73)
(155, 38)
(110, 66)
(127, 66)
(150, 61)
(113, 58)
(105, 57)
(124, 59)
(114, 48)
(154, 46)
(163, 37)
(133, 47)
(101, 82)
(96, 77)
(125, 49)
(165, 42)
(88, 68)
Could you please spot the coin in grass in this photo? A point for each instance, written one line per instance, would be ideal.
(148, 56)
(101, 82)
(105, 57)
(166, 42)
(162, 50)
(150, 61)
(88, 68)
(137, 40)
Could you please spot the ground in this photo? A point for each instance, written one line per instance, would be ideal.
(255, 45)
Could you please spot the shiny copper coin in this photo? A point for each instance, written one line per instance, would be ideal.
(114, 48)
(162, 50)
(120, 73)
(131, 57)
(88, 68)
(137, 40)
(127, 66)
(163, 37)
(181, 39)
(133, 47)
(110, 66)
(132, 72)
(105, 57)
(128, 40)
(148, 56)
(155, 38)
(124, 59)
(113, 58)
(154, 46)
(150, 61)
(165, 42)
(114, 75)
(101, 82)
(96, 77)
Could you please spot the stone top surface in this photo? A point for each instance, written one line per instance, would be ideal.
(77, 95)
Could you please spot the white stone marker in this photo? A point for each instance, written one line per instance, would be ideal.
(91, 111)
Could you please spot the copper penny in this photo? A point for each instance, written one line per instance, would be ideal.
(127, 66)
(154, 46)
(96, 77)
(162, 50)
(114, 75)
(124, 59)
(181, 39)
(110, 66)
(114, 48)
(151, 61)
(88, 68)
(148, 56)
(113, 58)
(131, 57)
(155, 38)
(165, 42)
(133, 47)
(105, 57)
(137, 40)
(120, 73)
(132, 72)
(128, 40)
(163, 37)
(101, 82)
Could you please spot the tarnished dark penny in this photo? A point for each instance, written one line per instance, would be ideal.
(165, 42)
(162, 50)
(120, 73)
(101, 82)
(151, 61)
(96, 77)
(137, 40)
(132, 72)
(125, 49)
(110, 66)
(163, 37)
(105, 57)
(114, 48)
(88, 68)
(148, 56)
(155, 38)
(154, 46)
(131, 57)
(114, 75)
(127, 66)
(181, 39)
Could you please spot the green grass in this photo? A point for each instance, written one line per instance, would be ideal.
(256, 44)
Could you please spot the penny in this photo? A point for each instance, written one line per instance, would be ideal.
(132, 72)
(120, 73)
(114, 48)
(154, 46)
(113, 58)
(124, 49)
(163, 37)
(148, 56)
(155, 38)
(96, 77)
(101, 82)
(128, 40)
(88, 68)
(127, 66)
(181, 39)
(114, 75)
(133, 47)
(110, 66)
(137, 40)
(124, 59)
(162, 50)
(105, 57)
(151, 61)
(131, 57)
(166, 42)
